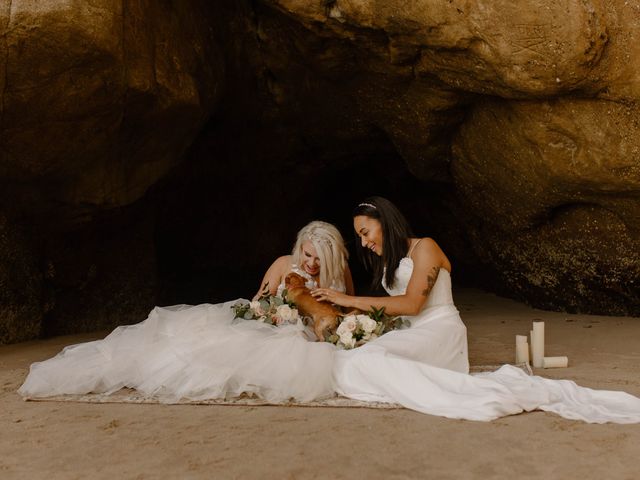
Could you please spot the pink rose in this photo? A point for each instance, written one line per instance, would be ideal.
(350, 324)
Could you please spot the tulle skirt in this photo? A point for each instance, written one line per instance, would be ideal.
(193, 353)
(200, 352)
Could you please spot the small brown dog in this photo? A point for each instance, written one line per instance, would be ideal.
(325, 316)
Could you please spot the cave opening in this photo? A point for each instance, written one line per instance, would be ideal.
(233, 208)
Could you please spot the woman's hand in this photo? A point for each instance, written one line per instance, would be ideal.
(331, 296)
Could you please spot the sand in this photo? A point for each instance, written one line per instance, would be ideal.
(65, 440)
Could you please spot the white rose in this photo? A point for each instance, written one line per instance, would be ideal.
(345, 337)
(348, 342)
(256, 307)
(368, 323)
(342, 328)
(286, 312)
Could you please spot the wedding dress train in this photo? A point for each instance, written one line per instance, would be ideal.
(434, 379)
(201, 352)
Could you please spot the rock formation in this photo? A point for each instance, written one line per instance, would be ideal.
(98, 101)
(528, 110)
(136, 132)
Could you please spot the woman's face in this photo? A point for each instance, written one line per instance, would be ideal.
(309, 258)
(370, 232)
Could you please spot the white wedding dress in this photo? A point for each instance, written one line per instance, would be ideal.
(201, 352)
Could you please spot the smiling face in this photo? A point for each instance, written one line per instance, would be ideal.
(370, 232)
(310, 262)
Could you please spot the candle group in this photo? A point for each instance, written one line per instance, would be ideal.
(537, 349)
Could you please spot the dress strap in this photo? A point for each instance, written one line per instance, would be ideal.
(412, 247)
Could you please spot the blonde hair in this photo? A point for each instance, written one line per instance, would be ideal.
(332, 253)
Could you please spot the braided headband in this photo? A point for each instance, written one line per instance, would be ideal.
(365, 204)
(314, 237)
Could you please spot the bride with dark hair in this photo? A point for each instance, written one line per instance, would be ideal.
(425, 367)
(416, 274)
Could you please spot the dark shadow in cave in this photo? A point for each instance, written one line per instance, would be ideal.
(233, 207)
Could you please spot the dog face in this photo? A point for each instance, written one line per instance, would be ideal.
(293, 280)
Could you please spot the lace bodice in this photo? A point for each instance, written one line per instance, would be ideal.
(310, 282)
(440, 294)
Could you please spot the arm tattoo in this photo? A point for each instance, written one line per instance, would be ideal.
(431, 281)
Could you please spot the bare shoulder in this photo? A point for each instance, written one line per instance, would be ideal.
(427, 245)
(283, 260)
(429, 252)
(282, 264)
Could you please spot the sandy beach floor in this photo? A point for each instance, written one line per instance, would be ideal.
(63, 440)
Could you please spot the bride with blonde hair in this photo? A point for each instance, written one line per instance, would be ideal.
(319, 255)
(186, 352)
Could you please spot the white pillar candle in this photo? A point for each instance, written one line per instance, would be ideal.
(555, 362)
(537, 343)
(530, 343)
(522, 349)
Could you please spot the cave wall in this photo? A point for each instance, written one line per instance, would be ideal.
(99, 101)
(166, 152)
(533, 134)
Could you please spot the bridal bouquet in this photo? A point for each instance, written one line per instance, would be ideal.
(267, 309)
(356, 330)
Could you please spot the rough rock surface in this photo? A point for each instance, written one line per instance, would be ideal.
(98, 101)
(101, 98)
(516, 119)
(523, 48)
(20, 286)
(554, 199)
(537, 123)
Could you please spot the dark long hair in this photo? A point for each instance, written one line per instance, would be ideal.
(395, 233)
